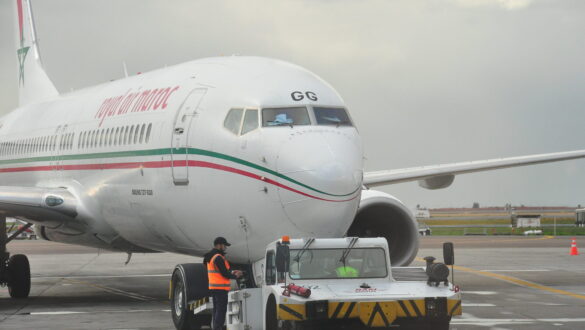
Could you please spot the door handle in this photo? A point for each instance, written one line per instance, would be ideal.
(179, 130)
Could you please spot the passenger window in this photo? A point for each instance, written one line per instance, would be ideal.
(142, 133)
(270, 268)
(93, 143)
(108, 138)
(233, 120)
(126, 135)
(117, 136)
(131, 134)
(250, 121)
(148, 133)
(101, 137)
(136, 132)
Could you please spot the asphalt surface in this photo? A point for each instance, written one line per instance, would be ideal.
(507, 283)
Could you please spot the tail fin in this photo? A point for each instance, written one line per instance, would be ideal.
(33, 83)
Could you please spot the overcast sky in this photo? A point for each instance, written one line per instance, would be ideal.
(427, 82)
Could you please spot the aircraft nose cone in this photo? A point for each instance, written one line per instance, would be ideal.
(324, 165)
(321, 180)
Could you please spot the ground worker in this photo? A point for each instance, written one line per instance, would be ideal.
(219, 274)
(346, 271)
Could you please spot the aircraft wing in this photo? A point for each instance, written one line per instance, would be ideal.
(38, 205)
(441, 176)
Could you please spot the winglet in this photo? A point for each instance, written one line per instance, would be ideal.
(33, 83)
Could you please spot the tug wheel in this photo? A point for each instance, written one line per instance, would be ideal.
(183, 318)
(270, 318)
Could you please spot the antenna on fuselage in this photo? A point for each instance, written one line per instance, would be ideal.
(125, 69)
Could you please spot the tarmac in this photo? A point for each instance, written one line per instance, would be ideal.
(507, 283)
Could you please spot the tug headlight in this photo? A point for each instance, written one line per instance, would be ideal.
(436, 307)
(317, 310)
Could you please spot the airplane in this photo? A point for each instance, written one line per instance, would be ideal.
(248, 148)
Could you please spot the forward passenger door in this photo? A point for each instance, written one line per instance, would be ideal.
(180, 136)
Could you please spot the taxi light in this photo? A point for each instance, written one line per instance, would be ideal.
(285, 239)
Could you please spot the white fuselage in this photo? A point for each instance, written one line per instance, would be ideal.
(150, 161)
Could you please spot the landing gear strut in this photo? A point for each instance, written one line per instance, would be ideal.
(15, 270)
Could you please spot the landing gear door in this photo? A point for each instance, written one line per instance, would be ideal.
(180, 136)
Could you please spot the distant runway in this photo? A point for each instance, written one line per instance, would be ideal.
(507, 283)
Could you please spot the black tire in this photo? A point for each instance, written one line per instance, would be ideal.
(18, 276)
(270, 318)
(439, 324)
(290, 325)
(183, 318)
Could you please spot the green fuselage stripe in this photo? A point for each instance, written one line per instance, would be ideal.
(166, 151)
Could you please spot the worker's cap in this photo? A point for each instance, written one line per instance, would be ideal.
(221, 240)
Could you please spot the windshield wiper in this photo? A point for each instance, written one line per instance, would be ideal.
(337, 121)
(297, 258)
(280, 123)
(348, 250)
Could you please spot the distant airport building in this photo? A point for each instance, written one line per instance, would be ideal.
(526, 221)
(422, 214)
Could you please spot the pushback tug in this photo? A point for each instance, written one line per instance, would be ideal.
(318, 283)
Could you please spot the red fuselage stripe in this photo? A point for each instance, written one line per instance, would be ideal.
(163, 164)
(20, 18)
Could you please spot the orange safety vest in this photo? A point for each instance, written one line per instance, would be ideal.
(216, 279)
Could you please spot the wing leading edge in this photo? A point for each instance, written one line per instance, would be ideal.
(441, 176)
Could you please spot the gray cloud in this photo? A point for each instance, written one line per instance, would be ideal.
(427, 81)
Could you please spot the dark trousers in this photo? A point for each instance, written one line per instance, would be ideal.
(220, 301)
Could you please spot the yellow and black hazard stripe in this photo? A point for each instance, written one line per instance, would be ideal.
(378, 314)
(343, 310)
(372, 314)
(291, 312)
(198, 303)
(411, 308)
(454, 307)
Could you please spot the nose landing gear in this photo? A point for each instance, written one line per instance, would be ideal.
(15, 270)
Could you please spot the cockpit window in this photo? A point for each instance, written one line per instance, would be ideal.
(250, 121)
(332, 116)
(290, 116)
(233, 120)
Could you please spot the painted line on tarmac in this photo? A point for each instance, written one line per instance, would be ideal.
(515, 270)
(97, 312)
(517, 281)
(101, 276)
(496, 322)
(481, 293)
(520, 282)
(490, 240)
(477, 305)
(112, 290)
